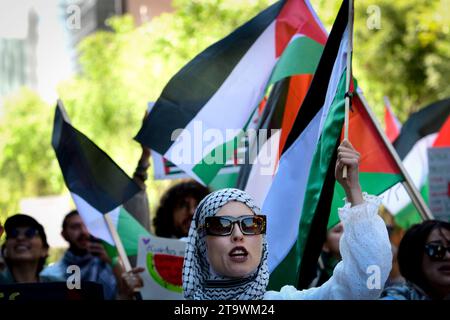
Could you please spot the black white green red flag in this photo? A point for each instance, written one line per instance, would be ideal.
(96, 183)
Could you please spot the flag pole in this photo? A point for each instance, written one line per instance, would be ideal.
(348, 76)
(413, 193)
(120, 249)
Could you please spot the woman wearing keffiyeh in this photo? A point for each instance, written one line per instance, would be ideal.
(226, 253)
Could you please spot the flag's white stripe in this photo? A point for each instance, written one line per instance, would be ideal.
(284, 202)
(94, 220)
(231, 106)
(416, 164)
(263, 169)
(338, 68)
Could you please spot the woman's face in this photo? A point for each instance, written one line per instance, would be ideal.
(236, 255)
(437, 272)
(24, 245)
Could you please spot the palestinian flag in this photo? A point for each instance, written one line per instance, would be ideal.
(97, 184)
(214, 97)
(392, 125)
(418, 134)
(298, 201)
(278, 195)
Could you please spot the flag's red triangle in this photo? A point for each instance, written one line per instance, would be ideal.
(364, 137)
(443, 138)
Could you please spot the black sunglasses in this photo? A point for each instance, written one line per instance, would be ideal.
(436, 251)
(223, 225)
(29, 233)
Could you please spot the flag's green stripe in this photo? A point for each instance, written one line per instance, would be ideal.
(301, 57)
(287, 271)
(371, 182)
(409, 215)
(321, 162)
(226, 180)
(210, 165)
(129, 230)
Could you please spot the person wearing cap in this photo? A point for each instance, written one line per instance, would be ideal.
(24, 251)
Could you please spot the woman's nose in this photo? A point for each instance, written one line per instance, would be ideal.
(237, 234)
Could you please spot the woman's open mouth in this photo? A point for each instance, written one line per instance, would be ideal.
(238, 254)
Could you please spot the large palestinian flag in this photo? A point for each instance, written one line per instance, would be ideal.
(97, 184)
(290, 235)
(221, 88)
(418, 133)
(299, 198)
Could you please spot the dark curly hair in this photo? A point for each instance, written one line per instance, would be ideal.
(411, 251)
(174, 198)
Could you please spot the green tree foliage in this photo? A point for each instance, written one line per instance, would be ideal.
(28, 166)
(406, 59)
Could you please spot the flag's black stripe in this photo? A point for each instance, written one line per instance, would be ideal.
(318, 228)
(194, 85)
(271, 118)
(427, 121)
(88, 171)
(277, 103)
(316, 94)
(311, 105)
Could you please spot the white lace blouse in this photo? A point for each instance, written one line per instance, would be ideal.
(366, 258)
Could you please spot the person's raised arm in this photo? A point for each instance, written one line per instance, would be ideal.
(364, 245)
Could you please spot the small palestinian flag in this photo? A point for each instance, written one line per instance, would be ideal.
(97, 184)
(419, 133)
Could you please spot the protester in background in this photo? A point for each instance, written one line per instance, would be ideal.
(329, 257)
(87, 253)
(226, 252)
(173, 219)
(395, 277)
(424, 261)
(176, 208)
(25, 251)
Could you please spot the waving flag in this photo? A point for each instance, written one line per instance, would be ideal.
(97, 184)
(221, 88)
(419, 133)
(298, 201)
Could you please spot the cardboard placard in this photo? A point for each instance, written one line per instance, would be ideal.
(162, 259)
(439, 182)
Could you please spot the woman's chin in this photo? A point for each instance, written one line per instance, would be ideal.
(240, 271)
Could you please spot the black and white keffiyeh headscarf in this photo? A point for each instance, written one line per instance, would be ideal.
(200, 282)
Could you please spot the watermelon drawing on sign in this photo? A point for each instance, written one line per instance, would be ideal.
(166, 270)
